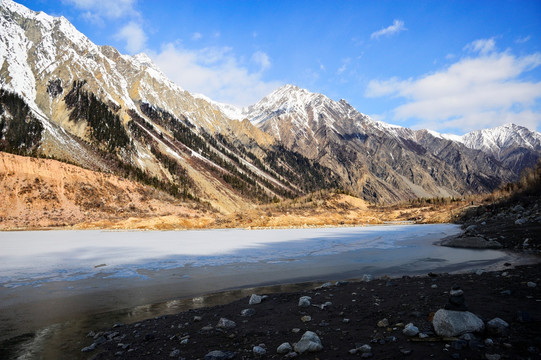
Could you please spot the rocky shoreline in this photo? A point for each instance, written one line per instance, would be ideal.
(382, 319)
(385, 318)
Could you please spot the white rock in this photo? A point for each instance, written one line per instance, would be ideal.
(410, 330)
(365, 348)
(258, 350)
(254, 299)
(309, 342)
(451, 323)
(304, 301)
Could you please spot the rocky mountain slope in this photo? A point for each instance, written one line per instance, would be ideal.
(94, 107)
(515, 146)
(381, 162)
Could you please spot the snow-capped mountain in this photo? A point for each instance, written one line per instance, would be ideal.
(515, 146)
(95, 107)
(503, 137)
(379, 160)
(98, 108)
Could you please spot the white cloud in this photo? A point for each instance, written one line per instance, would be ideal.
(522, 40)
(344, 66)
(196, 36)
(215, 72)
(261, 59)
(396, 27)
(95, 10)
(474, 92)
(482, 46)
(134, 36)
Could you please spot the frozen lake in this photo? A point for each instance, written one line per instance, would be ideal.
(51, 277)
(34, 258)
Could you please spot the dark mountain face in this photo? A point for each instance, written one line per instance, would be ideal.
(377, 161)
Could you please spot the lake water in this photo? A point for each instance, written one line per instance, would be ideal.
(54, 283)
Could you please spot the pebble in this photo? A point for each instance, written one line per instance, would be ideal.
(174, 353)
(325, 285)
(531, 284)
(304, 301)
(226, 323)
(306, 318)
(383, 323)
(405, 351)
(284, 348)
(197, 318)
(219, 355)
(434, 286)
(410, 330)
(365, 348)
(493, 356)
(255, 299)
(89, 348)
(247, 312)
(258, 350)
(456, 300)
(497, 326)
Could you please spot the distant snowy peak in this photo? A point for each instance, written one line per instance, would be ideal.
(503, 137)
(292, 101)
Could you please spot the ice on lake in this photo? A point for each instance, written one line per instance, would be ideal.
(34, 257)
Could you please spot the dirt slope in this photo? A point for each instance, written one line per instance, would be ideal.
(46, 193)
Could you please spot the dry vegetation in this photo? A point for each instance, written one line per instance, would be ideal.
(39, 194)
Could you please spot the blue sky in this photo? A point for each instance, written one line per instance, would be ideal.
(450, 66)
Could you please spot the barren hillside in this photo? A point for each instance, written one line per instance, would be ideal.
(45, 193)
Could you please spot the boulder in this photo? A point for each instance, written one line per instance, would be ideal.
(309, 342)
(452, 323)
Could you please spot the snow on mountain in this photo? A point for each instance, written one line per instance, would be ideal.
(301, 103)
(500, 138)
